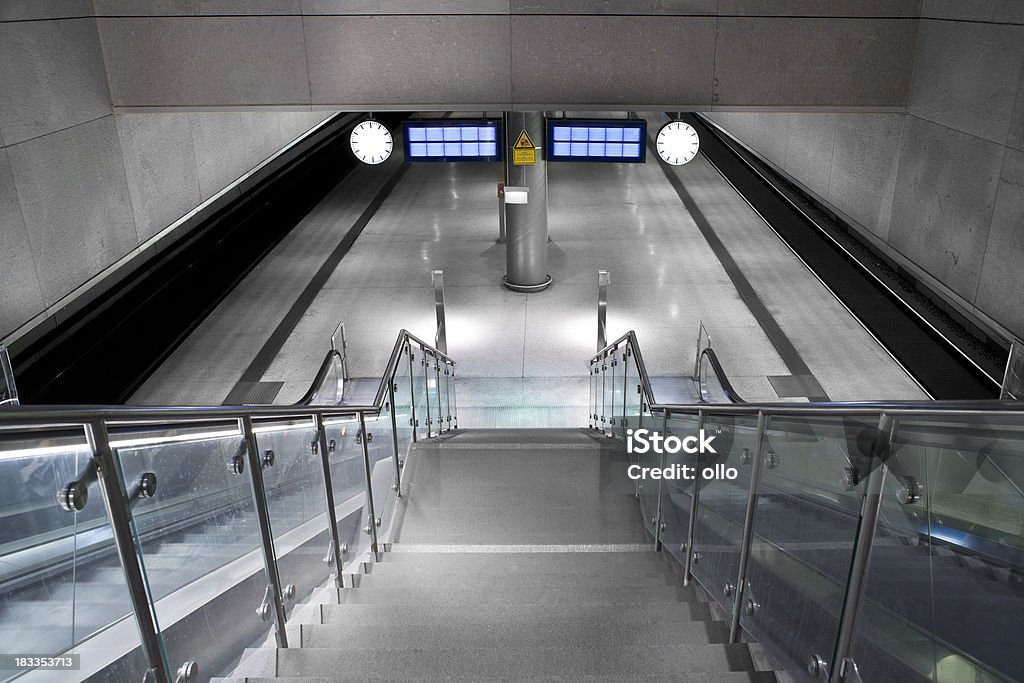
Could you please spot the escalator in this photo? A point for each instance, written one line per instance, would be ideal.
(188, 483)
(303, 535)
(945, 584)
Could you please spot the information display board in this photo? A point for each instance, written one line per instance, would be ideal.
(602, 140)
(452, 140)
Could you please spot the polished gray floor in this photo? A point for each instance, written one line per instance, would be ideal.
(525, 351)
(505, 487)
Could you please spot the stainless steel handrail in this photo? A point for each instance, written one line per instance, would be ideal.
(37, 416)
(908, 408)
(95, 420)
(886, 412)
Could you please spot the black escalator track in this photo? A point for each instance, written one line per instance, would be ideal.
(931, 358)
(103, 353)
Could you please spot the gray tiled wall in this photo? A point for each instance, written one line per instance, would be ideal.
(937, 188)
(80, 187)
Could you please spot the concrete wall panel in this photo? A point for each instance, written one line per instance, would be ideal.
(381, 59)
(33, 10)
(619, 7)
(800, 62)
(770, 135)
(195, 8)
(220, 131)
(620, 60)
(1002, 277)
(74, 198)
(945, 192)
(809, 149)
(160, 164)
(51, 77)
(864, 165)
(999, 11)
(820, 8)
(208, 61)
(261, 136)
(1015, 136)
(967, 76)
(329, 7)
(22, 297)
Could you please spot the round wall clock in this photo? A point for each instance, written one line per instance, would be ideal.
(677, 143)
(371, 142)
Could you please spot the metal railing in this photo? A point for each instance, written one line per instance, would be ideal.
(415, 400)
(883, 483)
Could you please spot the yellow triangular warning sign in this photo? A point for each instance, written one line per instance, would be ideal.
(524, 141)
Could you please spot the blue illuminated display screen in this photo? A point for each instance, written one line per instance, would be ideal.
(452, 140)
(597, 140)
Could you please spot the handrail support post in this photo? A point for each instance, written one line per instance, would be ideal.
(332, 515)
(374, 548)
(441, 338)
(748, 528)
(266, 534)
(603, 280)
(691, 527)
(867, 527)
(117, 505)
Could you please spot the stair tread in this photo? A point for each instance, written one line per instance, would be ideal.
(549, 580)
(514, 595)
(694, 677)
(478, 662)
(484, 615)
(562, 632)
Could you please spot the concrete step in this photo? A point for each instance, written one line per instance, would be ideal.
(483, 616)
(511, 562)
(476, 663)
(558, 631)
(442, 581)
(699, 677)
(511, 595)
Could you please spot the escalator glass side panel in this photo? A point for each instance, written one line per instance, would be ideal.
(294, 484)
(331, 390)
(192, 514)
(718, 530)
(711, 390)
(805, 528)
(678, 493)
(945, 587)
(61, 580)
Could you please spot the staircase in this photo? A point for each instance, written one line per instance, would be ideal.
(520, 556)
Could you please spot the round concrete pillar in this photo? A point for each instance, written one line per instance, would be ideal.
(526, 225)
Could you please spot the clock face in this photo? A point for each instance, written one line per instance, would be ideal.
(677, 143)
(371, 142)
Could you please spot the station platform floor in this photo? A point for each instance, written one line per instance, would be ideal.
(680, 253)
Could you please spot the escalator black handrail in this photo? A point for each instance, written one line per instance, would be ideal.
(57, 415)
(852, 408)
(321, 376)
(723, 379)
